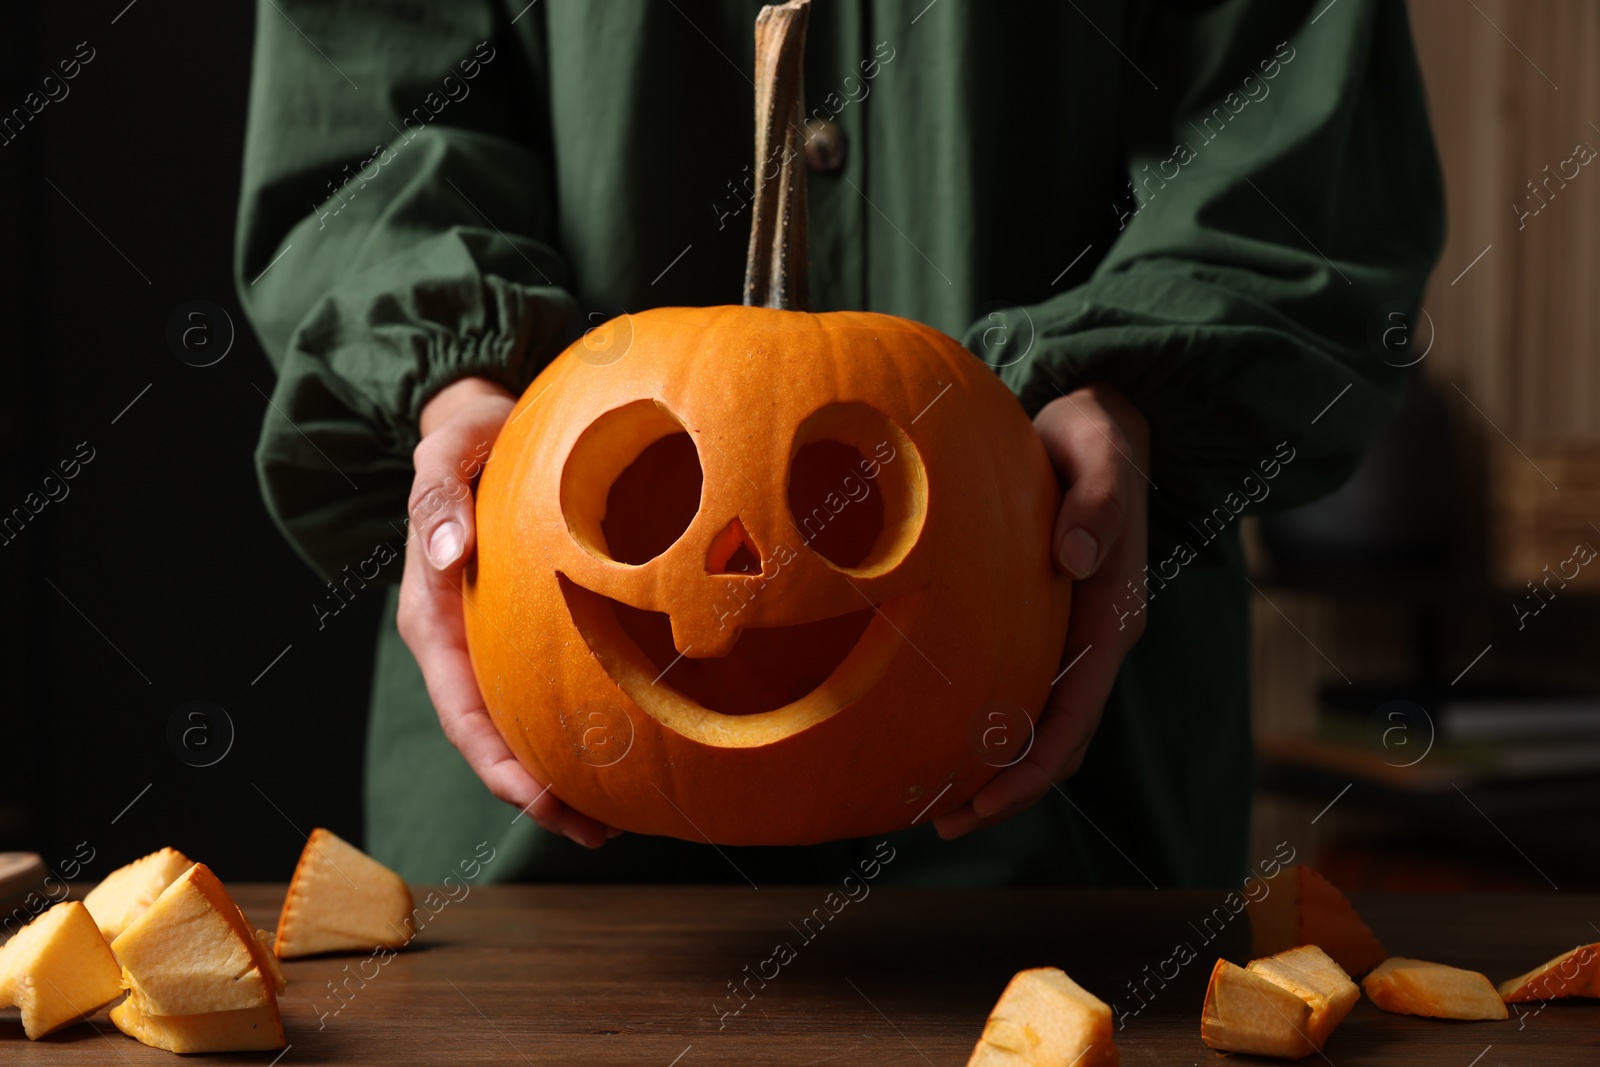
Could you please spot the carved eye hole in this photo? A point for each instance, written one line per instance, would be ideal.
(631, 485)
(832, 502)
(857, 493)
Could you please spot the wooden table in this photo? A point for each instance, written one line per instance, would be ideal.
(639, 976)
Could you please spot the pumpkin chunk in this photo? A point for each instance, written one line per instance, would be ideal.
(58, 970)
(1304, 908)
(192, 952)
(124, 894)
(342, 900)
(266, 959)
(1416, 987)
(199, 977)
(1285, 1005)
(1246, 1012)
(1575, 973)
(1311, 974)
(240, 1030)
(1045, 1018)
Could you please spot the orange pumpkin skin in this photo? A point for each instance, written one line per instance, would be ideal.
(906, 622)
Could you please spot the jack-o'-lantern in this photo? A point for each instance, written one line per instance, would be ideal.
(753, 579)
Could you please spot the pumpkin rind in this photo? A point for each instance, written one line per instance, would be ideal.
(969, 610)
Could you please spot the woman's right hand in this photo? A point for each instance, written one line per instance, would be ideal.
(459, 426)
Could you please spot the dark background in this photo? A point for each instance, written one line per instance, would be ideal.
(180, 586)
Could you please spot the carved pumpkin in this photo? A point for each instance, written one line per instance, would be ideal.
(755, 580)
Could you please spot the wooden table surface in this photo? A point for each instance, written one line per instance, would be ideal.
(639, 976)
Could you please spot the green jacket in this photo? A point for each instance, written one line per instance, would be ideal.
(1203, 203)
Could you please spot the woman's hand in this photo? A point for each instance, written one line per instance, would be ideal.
(1099, 444)
(459, 426)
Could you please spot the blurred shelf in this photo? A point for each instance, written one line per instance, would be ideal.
(1407, 587)
(1310, 768)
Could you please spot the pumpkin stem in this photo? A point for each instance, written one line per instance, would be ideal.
(777, 270)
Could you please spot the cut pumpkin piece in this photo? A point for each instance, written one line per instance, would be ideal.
(1045, 1018)
(1311, 974)
(267, 959)
(1285, 1005)
(199, 977)
(58, 970)
(1417, 987)
(1304, 908)
(342, 900)
(1246, 1012)
(124, 894)
(1575, 973)
(192, 952)
(240, 1030)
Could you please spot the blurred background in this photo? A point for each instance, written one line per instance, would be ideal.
(157, 578)
(1427, 693)
(1426, 680)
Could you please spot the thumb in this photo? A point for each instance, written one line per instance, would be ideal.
(1089, 522)
(441, 505)
(1094, 506)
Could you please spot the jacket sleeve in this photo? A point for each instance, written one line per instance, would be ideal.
(395, 234)
(1284, 195)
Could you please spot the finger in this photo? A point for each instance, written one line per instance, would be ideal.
(1097, 641)
(1059, 745)
(447, 461)
(1072, 716)
(1060, 742)
(434, 630)
(485, 750)
(1099, 539)
(1094, 506)
(964, 821)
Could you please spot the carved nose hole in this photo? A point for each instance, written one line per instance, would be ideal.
(733, 551)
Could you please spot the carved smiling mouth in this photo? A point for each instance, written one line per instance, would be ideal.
(774, 681)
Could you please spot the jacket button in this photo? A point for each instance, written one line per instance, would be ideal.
(824, 145)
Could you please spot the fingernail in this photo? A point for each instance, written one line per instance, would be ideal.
(585, 838)
(1079, 550)
(444, 547)
(985, 806)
